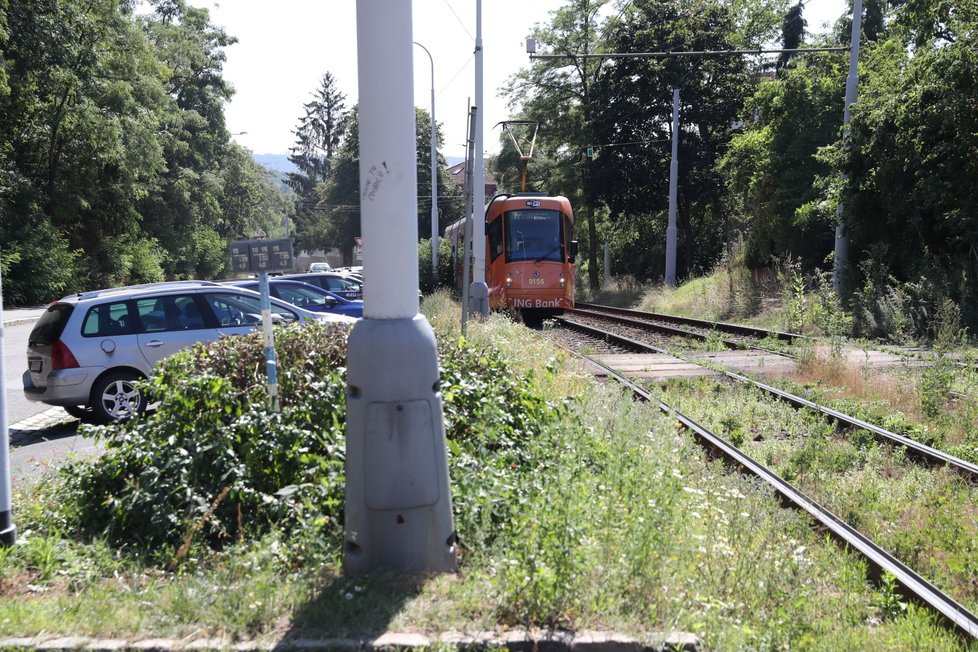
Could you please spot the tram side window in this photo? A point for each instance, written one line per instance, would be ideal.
(495, 238)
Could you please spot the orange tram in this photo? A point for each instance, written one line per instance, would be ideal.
(530, 252)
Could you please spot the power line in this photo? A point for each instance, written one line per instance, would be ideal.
(696, 53)
(466, 29)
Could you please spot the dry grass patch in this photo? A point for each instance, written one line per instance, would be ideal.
(842, 377)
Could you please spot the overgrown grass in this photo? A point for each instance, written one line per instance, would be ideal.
(577, 507)
(926, 517)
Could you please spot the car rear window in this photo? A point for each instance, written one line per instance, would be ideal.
(49, 327)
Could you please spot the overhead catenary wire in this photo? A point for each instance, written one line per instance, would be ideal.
(688, 53)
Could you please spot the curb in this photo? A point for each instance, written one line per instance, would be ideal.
(514, 641)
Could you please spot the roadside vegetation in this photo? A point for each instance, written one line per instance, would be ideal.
(576, 507)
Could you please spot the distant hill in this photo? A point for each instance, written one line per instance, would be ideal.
(276, 162)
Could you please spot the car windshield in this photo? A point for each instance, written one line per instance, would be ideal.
(239, 309)
(533, 234)
(302, 296)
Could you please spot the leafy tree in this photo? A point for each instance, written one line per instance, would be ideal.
(771, 168)
(193, 135)
(336, 213)
(912, 164)
(80, 140)
(559, 94)
(636, 96)
(251, 202)
(930, 22)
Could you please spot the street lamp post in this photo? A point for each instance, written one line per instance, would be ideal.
(434, 173)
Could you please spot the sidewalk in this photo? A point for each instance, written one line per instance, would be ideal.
(12, 316)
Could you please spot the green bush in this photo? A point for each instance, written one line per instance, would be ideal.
(213, 465)
(427, 281)
(163, 473)
(495, 423)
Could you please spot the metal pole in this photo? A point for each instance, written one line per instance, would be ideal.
(434, 173)
(479, 290)
(607, 263)
(467, 231)
(271, 366)
(673, 188)
(852, 87)
(398, 498)
(8, 533)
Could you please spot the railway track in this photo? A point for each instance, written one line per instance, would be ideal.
(733, 336)
(919, 450)
(913, 585)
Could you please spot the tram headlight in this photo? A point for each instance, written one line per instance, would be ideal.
(563, 281)
(509, 280)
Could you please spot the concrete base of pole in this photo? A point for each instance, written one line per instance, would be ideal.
(479, 298)
(8, 532)
(398, 501)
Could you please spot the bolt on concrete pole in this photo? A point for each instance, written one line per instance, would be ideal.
(479, 290)
(8, 533)
(852, 87)
(398, 504)
(671, 231)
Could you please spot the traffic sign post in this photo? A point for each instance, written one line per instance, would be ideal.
(264, 256)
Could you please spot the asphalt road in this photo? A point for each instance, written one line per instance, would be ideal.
(14, 365)
(40, 435)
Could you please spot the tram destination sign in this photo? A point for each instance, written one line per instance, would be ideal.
(261, 256)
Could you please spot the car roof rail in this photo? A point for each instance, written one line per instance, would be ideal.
(160, 285)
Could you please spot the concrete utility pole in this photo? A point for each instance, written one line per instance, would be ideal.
(434, 172)
(8, 533)
(467, 230)
(398, 505)
(479, 290)
(671, 229)
(852, 86)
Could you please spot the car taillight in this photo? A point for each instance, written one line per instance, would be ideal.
(62, 357)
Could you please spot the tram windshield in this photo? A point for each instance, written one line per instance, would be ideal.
(533, 234)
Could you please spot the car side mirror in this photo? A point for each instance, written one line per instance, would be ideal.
(573, 250)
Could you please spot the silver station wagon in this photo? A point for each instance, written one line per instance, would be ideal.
(87, 350)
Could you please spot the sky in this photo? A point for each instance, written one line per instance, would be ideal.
(285, 47)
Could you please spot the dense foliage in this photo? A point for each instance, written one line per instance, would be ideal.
(212, 432)
(762, 154)
(213, 465)
(328, 211)
(115, 164)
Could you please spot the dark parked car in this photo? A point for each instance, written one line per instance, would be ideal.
(306, 295)
(338, 284)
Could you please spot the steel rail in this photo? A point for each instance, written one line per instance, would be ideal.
(918, 587)
(923, 450)
(736, 329)
(660, 328)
